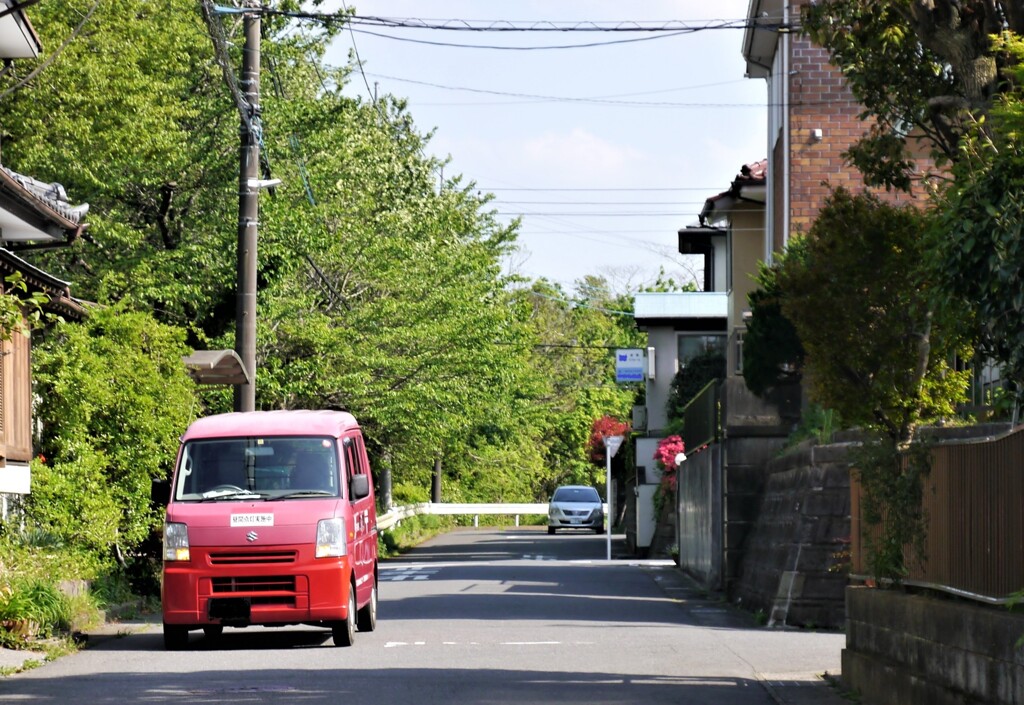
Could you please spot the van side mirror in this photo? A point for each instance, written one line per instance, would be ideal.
(160, 492)
(359, 486)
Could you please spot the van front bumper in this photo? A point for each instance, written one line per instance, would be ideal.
(272, 585)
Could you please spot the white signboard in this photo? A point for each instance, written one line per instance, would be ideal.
(252, 519)
(629, 365)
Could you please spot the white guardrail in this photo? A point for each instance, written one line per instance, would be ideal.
(394, 515)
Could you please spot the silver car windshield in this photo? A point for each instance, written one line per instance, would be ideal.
(576, 494)
(212, 470)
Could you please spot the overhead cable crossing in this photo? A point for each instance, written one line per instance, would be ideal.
(460, 25)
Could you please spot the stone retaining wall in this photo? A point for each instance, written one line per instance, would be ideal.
(904, 649)
(792, 568)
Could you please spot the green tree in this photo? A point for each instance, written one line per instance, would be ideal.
(113, 400)
(878, 353)
(380, 283)
(691, 378)
(861, 303)
(976, 244)
(772, 351)
(129, 113)
(921, 70)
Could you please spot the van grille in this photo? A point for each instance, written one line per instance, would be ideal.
(272, 557)
(268, 583)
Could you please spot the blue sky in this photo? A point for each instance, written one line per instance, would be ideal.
(604, 151)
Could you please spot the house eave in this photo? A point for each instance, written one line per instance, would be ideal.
(760, 38)
(18, 38)
(25, 217)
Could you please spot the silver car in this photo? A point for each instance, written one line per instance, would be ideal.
(575, 507)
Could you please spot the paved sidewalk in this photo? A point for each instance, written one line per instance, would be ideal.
(791, 664)
(17, 659)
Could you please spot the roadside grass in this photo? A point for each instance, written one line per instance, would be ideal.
(51, 593)
(410, 533)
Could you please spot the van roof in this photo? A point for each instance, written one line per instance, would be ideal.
(293, 422)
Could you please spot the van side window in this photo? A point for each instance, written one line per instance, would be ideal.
(351, 461)
(355, 463)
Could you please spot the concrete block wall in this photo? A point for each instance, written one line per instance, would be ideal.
(791, 563)
(906, 649)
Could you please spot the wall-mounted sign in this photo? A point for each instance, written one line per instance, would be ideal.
(629, 365)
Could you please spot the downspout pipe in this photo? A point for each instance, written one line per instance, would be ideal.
(786, 208)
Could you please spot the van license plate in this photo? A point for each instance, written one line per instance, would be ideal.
(231, 608)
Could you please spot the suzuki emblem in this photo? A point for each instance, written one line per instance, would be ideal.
(252, 536)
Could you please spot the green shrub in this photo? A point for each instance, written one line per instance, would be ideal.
(31, 607)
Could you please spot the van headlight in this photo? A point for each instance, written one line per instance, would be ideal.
(176, 542)
(330, 538)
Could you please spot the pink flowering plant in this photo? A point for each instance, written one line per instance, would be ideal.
(665, 456)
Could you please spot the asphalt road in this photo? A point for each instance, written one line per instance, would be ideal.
(475, 616)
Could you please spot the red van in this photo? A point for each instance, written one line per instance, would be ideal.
(270, 520)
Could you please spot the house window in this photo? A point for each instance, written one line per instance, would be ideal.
(694, 345)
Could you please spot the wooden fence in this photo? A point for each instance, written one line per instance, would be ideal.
(974, 504)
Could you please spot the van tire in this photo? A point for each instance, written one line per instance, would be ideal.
(212, 631)
(175, 637)
(344, 632)
(367, 619)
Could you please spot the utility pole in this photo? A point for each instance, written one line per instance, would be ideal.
(248, 215)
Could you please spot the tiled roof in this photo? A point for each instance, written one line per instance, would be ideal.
(59, 292)
(34, 211)
(52, 195)
(751, 175)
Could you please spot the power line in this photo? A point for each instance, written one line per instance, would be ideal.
(604, 214)
(655, 30)
(577, 304)
(500, 47)
(596, 100)
(460, 25)
(502, 26)
(602, 190)
(600, 203)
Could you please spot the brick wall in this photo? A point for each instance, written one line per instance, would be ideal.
(819, 99)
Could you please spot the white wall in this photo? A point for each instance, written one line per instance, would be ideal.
(15, 478)
(666, 366)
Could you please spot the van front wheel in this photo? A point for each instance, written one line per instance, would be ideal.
(368, 615)
(344, 632)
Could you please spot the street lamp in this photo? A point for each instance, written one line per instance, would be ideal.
(611, 447)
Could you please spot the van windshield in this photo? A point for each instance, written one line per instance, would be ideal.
(281, 467)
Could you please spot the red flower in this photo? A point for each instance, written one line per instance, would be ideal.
(602, 427)
(668, 449)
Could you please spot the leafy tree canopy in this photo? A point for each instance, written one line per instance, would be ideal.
(772, 351)
(381, 283)
(920, 69)
(861, 303)
(113, 400)
(976, 239)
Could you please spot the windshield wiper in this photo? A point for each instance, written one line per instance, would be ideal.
(303, 493)
(215, 495)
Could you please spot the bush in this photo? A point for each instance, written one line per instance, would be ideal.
(692, 378)
(33, 607)
(114, 398)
